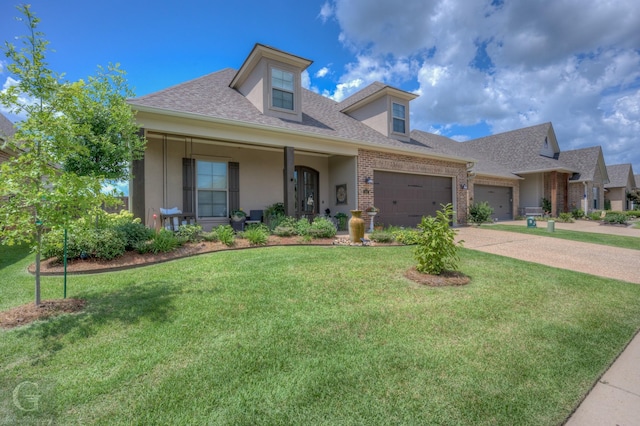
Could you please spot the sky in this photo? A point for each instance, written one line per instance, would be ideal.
(480, 67)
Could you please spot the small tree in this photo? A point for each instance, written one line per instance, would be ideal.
(436, 249)
(69, 129)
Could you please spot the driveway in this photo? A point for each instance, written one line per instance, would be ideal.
(594, 259)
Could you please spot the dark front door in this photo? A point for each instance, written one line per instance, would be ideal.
(306, 181)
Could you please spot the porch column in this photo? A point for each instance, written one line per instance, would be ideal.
(554, 193)
(289, 184)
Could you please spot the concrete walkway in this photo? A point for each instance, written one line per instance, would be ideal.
(615, 399)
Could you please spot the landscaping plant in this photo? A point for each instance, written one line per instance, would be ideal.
(256, 234)
(436, 250)
(480, 212)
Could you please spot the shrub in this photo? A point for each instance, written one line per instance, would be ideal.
(634, 213)
(322, 228)
(381, 236)
(404, 236)
(302, 227)
(210, 236)
(133, 233)
(480, 213)
(284, 231)
(565, 217)
(258, 234)
(616, 218)
(226, 235)
(165, 241)
(546, 206)
(595, 215)
(577, 213)
(107, 244)
(190, 233)
(437, 250)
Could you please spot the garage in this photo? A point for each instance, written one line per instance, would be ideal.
(404, 198)
(499, 198)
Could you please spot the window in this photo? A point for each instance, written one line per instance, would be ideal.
(282, 89)
(398, 118)
(212, 185)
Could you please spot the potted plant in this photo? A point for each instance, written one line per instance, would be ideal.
(372, 211)
(238, 218)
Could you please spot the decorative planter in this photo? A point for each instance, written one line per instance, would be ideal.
(237, 224)
(356, 226)
(371, 216)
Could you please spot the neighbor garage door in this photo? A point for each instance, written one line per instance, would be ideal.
(498, 197)
(404, 198)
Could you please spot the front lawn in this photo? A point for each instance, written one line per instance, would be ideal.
(312, 335)
(620, 241)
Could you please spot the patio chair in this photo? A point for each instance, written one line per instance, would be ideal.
(255, 216)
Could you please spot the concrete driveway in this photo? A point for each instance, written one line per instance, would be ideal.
(605, 261)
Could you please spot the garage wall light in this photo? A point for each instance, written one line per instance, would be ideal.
(463, 186)
(368, 180)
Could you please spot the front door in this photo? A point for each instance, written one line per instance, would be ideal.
(306, 185)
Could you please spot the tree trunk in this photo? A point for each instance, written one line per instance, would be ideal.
(38, 249)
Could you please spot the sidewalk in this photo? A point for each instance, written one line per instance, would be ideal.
(615, 398)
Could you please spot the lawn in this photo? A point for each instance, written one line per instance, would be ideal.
(313, 335)
(585, 237)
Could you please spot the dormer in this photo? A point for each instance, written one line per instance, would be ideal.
(271, 80)
(383, 108)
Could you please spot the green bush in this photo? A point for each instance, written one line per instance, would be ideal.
(134, 233)
(341, 219)
(634, 213)
(595, 215)
(381, 236)
(284, 231)
(302, 227)
(107, 244)
(404, 236)
(546, 205)
(615, 218)
(190, 233)
(437, 250)
(257, 234)
(322, 228)
(577, 213)
(164, 241)
(211, 236)
(480, 213)
(226, 235)
(565, 217)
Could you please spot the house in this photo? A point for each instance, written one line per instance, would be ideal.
(622, 181)
(252, 137)
(6, 131)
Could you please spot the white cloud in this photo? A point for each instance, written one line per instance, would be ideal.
(326, 11)
(322, 72)
(508, 64)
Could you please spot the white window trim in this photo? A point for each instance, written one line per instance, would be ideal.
(294, 93)
(393, 117)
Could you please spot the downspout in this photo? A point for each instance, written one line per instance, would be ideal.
(585, 198)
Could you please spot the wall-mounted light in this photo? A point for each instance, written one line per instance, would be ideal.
(368, 180)
(463, 186)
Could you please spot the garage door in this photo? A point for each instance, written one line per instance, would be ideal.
(498, 197)
(404, 198)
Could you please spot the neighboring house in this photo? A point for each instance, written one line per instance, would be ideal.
(6, 131)
(622, 181)
(253, 137)
(586, 186)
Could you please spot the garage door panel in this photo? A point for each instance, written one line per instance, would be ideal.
(500, 198)
(404, 198)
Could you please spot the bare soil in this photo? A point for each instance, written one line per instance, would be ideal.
(28, 313)
(447, 278)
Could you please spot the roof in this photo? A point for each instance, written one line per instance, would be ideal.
(6, 128)
(619, 175)
(210, 97)
(519, 150)
(585, 161)
(637, 178)
(372, 92)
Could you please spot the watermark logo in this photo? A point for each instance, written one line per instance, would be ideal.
(26, 396)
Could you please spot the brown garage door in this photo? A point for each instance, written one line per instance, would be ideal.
(498, 197)
(404, 198)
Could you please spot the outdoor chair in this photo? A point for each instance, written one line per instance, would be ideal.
(255, 216)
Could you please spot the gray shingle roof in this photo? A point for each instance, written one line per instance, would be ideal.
(619, 175)
(518, 150)
(637, 178)
(584, 161)
(211, 97)
(374, 87)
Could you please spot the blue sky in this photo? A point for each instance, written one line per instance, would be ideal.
(480, 67)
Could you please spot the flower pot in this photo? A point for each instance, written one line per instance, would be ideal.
(356, 226)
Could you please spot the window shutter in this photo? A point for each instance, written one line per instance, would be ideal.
(188, 185)
(234, 186)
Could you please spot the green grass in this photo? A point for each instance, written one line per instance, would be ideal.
(314, 335)
(585, 237)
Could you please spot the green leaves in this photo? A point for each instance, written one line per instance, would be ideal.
(436, 249)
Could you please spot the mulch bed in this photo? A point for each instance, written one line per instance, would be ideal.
(447, 278)
(28, 313)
